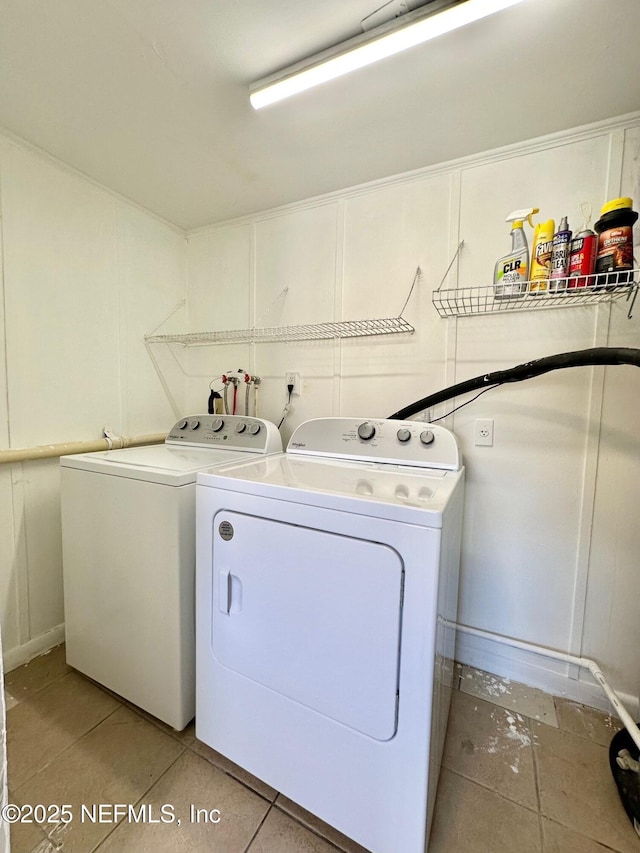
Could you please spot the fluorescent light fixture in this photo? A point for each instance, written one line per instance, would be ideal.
(404, 32)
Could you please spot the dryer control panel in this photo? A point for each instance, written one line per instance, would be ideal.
(378, 440)
(230, 432)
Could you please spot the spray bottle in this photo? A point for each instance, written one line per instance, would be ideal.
(541, 255)
(560, 257)
(511, 272)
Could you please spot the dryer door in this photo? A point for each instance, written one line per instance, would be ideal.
(313, 615)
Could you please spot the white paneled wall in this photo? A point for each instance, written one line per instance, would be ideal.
(297, 251)
(525, 510)
(389, 232)
(551, 537)
(611, 619)
(85, 276)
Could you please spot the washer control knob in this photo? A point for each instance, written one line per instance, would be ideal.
(182, 424)
(404, 434)
(254, 429)
(240, 427)
(194, 424)
(427, 437)
(217, 424)
(366, 431)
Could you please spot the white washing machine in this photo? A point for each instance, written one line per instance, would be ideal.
(326, 599)
(128, 537)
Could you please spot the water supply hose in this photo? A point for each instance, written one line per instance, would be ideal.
(528, 370)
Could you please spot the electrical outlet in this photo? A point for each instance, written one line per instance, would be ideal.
(293, 378)
(483, 433)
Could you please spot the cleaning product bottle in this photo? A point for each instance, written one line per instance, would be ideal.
(615, 243)
(582, 257)
(541, 255)
(560, 257)
(511, 272)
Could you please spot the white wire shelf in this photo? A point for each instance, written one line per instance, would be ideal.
(282, 334)
(276, 334)
(601, 287)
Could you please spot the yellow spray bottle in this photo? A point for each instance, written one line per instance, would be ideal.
(510, 277)
(541, 256)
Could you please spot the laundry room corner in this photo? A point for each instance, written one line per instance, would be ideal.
(91, 273)
(319, 417)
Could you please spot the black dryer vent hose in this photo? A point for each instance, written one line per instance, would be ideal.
(528, 370)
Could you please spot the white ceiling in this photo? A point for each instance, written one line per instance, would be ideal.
(150, 97)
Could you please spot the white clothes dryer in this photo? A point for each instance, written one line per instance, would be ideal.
(128, 538)
(326, 600)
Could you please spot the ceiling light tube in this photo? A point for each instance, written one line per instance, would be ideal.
(406, 31)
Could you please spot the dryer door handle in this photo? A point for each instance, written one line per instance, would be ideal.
(224, 590)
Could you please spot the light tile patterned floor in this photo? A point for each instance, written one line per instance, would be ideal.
(522, 773)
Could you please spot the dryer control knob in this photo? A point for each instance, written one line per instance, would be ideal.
(240, 427)
(254, 429)
(194, 424)
(182, 425)
(404, 434)
(427, 437)
(366, 431)
(364, 487)
(217, 424)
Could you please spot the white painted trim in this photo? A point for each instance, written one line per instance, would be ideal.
(5, 436)
(338, 304)
(121, 337)
(451, 331)
(5, 843)
(616, 157)
(517, 149)
(20, 560)
(252, 300)
(589, 483)
(19, 655)
(535, 669)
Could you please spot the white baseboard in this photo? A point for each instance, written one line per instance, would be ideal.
(536, 670)
(19, 655)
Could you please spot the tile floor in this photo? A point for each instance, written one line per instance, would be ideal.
(522, 773)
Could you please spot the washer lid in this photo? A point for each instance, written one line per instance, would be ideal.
(159, 463)
(398, 492)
